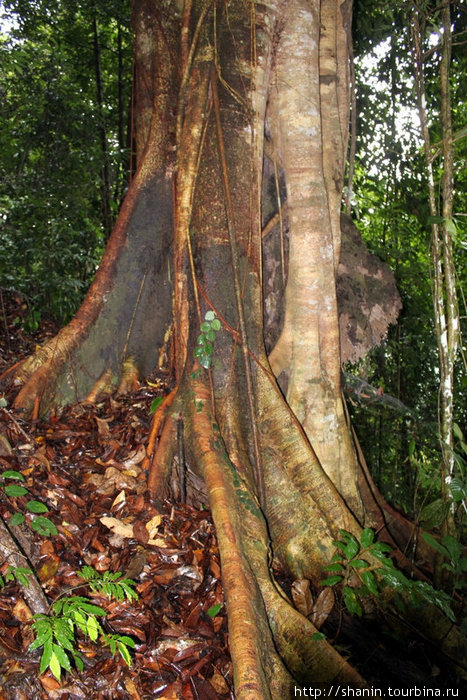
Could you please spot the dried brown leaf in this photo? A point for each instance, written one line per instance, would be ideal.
(323, 606)
(301, 596)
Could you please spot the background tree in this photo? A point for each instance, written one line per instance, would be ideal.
(391, 201)
(65, 85)
(219, 87)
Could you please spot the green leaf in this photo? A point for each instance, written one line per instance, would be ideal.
(78, 662)
(369, 580)
(12, 474)
(429, 539)
(155, 404)
(93, 628)
(216, 325)
(80, 620)
(458, 489)
(44, 526)
(318, 636)
(451, 228)
(17, 519)
(46, 655)
(337, 557)
(393, 578)
(334, 567)
(434, 514)
(91, 609)
(455, 429)
(331, 580)
(210, 315)
(351, 601)
(438, 598)
(41, 638)
(88, 573)
(351, 549)
(36, 507)
(214, 609)
(23, 578)
(128, 641)
(210, 335)
(339, 545)
(62, 657)
(124, 653)
(367, 537)
(359, 564)
(434, 220)
(205, 327)
(205, 361)
(453, 546)
(15, 491)
(54, 665)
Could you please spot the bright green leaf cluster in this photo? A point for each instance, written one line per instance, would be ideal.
(40, 524)
(204, 344)
(349, 559)
(56, 632)
(108, 583)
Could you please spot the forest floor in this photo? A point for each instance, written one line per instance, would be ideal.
(86, 467)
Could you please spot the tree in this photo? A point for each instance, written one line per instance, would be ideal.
(220, 89)
(64, 163)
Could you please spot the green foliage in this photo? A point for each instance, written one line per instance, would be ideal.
(120, 643)
(350, 562)
(110, 584)
(16, 573)
(39, 523)
(390, 202)
(452, 551)
(204, 344)
(56, 632)
(51, 156)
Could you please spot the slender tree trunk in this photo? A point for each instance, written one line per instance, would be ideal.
(106, 195)
(446, 311)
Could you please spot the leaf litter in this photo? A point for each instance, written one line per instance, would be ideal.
(85, 466)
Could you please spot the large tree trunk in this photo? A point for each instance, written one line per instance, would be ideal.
(213, 82)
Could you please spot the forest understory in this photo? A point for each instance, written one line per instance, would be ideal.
(86, 466)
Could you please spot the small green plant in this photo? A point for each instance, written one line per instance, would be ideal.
(40, 523)
(349, 561)
(16, 573)
(204, 347)
(110, 584)
(56, 632)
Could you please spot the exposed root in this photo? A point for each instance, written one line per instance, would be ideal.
(161, 461)
(252, 596)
